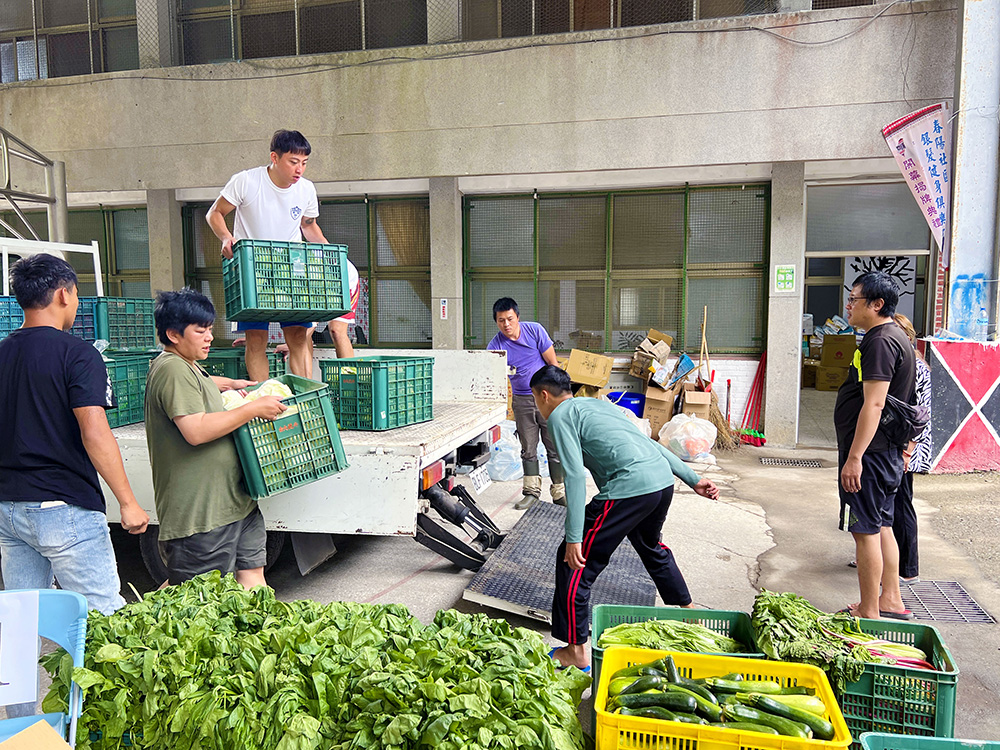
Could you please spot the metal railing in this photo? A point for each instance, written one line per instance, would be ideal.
(54, 198)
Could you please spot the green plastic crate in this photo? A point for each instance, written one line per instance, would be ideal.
(230, 363)
(380, 393)
(126, 323)
(883, 741)
(128, 382)
(903, 700)
(11, 316)
(294, 449)
(269, 281)
(735, 625)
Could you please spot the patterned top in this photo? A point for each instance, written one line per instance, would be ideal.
(920, 461)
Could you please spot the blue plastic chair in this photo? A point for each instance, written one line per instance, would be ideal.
(62, 618)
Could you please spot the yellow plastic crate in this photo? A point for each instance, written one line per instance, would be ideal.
(617, 732)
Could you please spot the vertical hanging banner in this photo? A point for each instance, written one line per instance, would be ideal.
(921, 144)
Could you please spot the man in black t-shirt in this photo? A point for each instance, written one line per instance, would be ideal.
(54, 390)
(871, 467)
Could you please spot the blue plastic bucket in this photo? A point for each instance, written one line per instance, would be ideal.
(634, 402)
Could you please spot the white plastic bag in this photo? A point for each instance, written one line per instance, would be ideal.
(505, 456)
(689, 438)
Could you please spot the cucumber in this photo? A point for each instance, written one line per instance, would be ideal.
(820, 727)
(701, 690)
(744, 726)
(689, 719)
(650, 712)
(706, 708)
(717, 684)
(809, 703)
(670, 669)
(619, 684)
(797, 690)
(672, 701)
(638, 670)
(738, 712)
(642, 684)
(734, 676)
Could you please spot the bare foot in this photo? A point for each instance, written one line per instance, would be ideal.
(856, 611)
(574, 655)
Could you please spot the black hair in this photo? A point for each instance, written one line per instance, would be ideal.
(34, 280)
(290, 142)
(503, 305)
(552, 379)
(879, 285)
(175, 311)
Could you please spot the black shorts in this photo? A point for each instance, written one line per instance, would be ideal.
(869, 511)
(241, 545)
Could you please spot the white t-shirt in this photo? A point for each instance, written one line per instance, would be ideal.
(354, 279)
(265, 211)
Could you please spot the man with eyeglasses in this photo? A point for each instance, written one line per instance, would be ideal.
(871, 467)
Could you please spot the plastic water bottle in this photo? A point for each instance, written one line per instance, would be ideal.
(982, 325)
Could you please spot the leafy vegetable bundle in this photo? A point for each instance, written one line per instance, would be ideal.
(670, 635)
(789, 628)
(209, 665)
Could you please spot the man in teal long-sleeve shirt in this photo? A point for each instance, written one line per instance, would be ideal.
(635, 481)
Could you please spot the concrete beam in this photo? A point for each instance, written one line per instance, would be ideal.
(784, 310)
(166, 241)
(446, 264)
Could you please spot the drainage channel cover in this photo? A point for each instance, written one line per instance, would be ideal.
(798, 463)
(519, 577)
(945, 601)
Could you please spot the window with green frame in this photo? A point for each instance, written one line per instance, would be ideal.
(388, 240)
(123, 237)
(600, 269)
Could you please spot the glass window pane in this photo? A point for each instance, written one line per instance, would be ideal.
(824, 302)
(85, 227)
(64, 12)
(638, 305)
(479, 19)
(482, 295)
(735, 322)
(15, 15)
(515, 17)
(207, 249)
(140, 289)
(501, 232)
(553, 16)
(26, 69)
(131, 239)
(121, 49)
(70, 54)
(648, 231)
(37, 219)
(395, 23)
(403, 233)
(573, 313)
(189, 5)
(824, 267)
(207, 41)
(8, 65)
(571, 233)
(727, 225)
(404, 311)
(347, 224)
(646, 12)
(268, 35)
(330, 28)
(115, 8)
(861, 218)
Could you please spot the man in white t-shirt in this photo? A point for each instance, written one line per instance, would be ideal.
(339, 327)
(272, 203)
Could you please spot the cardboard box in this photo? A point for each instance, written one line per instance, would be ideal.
(587, 340)
(809, 372)
(655, 336)
(696, 403)
(639, 368)
(838, 350)
(659, 408)
(807, 324)
(587, 368)
(39, 736)
(830, 378)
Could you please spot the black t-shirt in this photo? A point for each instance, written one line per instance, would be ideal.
(885, 354)
(44, 375)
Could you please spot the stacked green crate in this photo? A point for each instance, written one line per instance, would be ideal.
(11, 316)
(127, 372)
(125, 323)
(380, 393)
(231, 363)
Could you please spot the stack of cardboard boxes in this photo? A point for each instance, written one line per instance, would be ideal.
(826, 368)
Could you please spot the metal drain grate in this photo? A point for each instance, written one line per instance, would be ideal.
(945, 601)
(798, 463)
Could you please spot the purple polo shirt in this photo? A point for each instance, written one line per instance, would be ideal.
(524, 356)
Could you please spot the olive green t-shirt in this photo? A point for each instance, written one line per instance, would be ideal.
(196, 488)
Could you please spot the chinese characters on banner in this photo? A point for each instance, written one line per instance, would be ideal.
(921, 144)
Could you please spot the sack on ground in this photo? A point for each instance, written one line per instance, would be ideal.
(689, 438)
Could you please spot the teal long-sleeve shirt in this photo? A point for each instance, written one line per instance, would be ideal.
(594, 434)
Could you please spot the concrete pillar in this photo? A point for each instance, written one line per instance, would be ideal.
(156, 26)
(976, 166)
(166, 240)
(446, 264)
(784, 309)
(58, 212)
(443, 22)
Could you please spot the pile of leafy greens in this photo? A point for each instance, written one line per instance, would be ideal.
(208, 665)
(670, 635)
(789, 628)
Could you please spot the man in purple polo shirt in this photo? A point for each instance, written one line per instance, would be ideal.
(529, 348)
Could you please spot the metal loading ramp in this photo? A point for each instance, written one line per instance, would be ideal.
(519, 577)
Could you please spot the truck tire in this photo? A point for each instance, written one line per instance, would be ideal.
(155, 561)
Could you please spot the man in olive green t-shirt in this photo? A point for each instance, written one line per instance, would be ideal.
(207, 519)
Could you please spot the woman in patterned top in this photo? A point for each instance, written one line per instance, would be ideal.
(916, 458)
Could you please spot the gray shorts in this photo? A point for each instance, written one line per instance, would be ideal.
(241, 545)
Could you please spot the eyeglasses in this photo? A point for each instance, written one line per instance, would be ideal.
(855, 300)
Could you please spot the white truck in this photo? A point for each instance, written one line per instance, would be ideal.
(395, 478)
